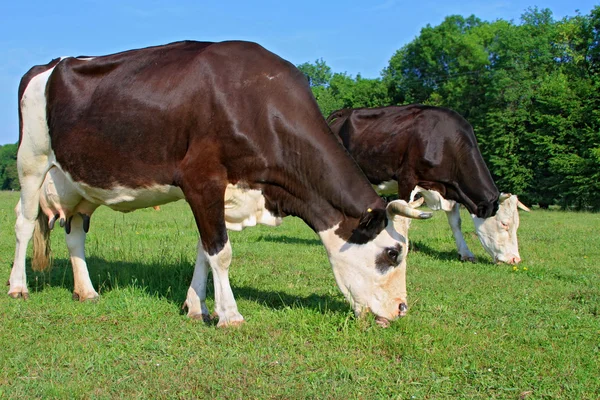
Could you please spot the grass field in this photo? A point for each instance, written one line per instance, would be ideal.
(474, 330)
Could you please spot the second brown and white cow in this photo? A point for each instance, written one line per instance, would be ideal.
(231, 128)
(432, 151)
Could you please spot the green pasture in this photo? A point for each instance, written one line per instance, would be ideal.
(474, 330)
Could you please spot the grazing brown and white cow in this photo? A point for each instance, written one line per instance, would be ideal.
(432, 151)
(219, 125)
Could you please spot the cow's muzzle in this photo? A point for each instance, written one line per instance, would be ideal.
(402, 309)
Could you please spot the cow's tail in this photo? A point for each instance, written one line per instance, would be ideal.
(336, 114)
(42, 255)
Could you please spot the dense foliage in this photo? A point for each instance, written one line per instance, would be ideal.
(530, 90)
(9, 179)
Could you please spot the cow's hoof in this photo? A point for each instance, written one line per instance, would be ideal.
(200, 317)
(472, 259)
(87, 297)
(229, 319)
(230, 324)
(19, 295)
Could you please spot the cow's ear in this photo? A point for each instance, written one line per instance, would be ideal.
(371, 224)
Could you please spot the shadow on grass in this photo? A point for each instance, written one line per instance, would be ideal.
(168, 281)
(422, 247)
(289, 240)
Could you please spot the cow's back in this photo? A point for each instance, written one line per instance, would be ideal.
(432, 147)
(145, 108)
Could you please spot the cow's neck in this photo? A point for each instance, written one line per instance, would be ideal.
(323, 186)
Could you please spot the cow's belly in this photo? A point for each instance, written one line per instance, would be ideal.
(243, 207)
(125, 199)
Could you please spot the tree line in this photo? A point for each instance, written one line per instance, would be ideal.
(530, 89)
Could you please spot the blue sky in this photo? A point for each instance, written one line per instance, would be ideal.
(351, 36)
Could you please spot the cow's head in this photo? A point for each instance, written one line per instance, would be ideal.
(498, 234)
(370, 268)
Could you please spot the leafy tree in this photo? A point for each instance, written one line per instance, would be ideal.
(340, 90)
(318, 74)
(9, 179)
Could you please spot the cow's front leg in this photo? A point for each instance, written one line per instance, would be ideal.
(83, 289)
(225, 305)
(207, 201)
(195, 301)
(455, 224)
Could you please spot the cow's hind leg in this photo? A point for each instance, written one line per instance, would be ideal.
(18, 279)
(33, 161)
(83, 288)
(196, 296)
(455, 224)
(26, 212)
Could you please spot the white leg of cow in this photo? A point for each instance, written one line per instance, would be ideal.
(225, 305)
(455, 225)
(83, 288)
(196, 295)
(32, 164)
(27, 211)
(18, 277)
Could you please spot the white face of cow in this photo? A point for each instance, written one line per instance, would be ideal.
(372, 276)
(498, 234)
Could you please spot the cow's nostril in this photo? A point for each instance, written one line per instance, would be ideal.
(403, 308)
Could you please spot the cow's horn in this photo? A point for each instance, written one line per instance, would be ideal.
(503, 196)
(401, 208)
(417, 203)
(523, 206)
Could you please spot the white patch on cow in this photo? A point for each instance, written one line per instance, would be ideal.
(196, 296)
(246, 207)
(36, 138)
(498, 234)
(433, 199)
(18, 277)
(33, 161)
(354, 268)
(243, 207)
(386, 188)
(125, 199)
(83, 288)
(455, 225)
(271, 77)
(225, 305)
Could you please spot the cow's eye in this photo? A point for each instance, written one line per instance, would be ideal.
(505, 225)
(393, 254)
